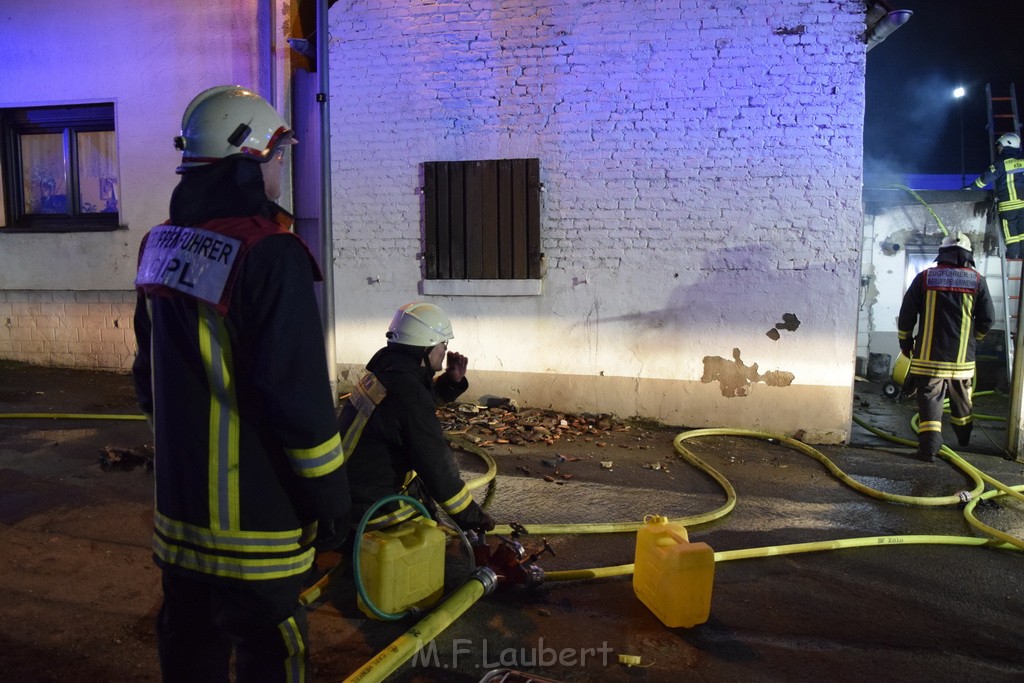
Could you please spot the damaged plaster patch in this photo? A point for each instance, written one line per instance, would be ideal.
(778, 378)
(735, 378)
(789, 323)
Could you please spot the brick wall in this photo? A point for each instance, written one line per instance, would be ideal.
(702, 168)
(68, 329)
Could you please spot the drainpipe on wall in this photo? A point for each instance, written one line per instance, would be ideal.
(326, 221)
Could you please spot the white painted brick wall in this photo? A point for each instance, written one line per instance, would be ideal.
(68, 329)
(702, 165)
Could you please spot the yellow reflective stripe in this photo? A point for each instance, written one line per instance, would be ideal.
(1010, 239)
(318, 460)
(927, 325)
(940, 371)
(403, 513)
(961, 421)
(459, 502)
(295, 663)
(966, 309)
(232, 567)
(930, 426)
(367, 394)
(1013, 203)
(215, 348)
(245, 541)
(355, 430)
(903, 334)
(212, 469)
(941, 365)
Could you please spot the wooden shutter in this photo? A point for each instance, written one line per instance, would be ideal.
(482, 219)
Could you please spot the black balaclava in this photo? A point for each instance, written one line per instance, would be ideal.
(1011, 153)
(420, 353)
(230, 188)
(956, 256)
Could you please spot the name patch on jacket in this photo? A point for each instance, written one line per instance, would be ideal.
(193, 261)
(952, 279)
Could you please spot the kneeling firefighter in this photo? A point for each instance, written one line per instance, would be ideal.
(950, 305)
(392, 436)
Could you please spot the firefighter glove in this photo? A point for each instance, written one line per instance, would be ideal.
(331, 533)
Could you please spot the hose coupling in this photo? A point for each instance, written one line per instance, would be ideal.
(487, 577)
(964, 496)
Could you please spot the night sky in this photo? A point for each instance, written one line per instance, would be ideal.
(912, 121)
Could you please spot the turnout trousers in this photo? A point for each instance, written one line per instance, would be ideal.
(931, 392)
(1013, 232)
(201, 622)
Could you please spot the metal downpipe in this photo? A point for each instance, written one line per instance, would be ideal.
(326, 217)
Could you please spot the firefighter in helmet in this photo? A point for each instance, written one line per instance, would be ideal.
(231, 370)
(950, 306)
(1006, 177)
(391, 429)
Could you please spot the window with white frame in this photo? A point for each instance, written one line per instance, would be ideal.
(481, 220)
(59, 168)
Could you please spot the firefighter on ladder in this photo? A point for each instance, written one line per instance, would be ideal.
(1006, 177)
(950, 305)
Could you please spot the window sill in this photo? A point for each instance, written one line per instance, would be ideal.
(82, 227)
(481, 287)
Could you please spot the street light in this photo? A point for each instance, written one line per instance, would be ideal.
(958, 95)
(882, 20)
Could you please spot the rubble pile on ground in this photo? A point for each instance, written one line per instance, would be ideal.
(504, 425)
(507, 424)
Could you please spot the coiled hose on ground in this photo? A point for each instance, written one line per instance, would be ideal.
(392, 657)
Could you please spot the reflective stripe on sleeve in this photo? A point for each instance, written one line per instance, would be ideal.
(459, 502)
(319, 460)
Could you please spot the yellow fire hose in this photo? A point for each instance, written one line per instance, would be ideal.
(405, 646)
(388, 660)
(396, 654)
(69, 416)
(791, 549)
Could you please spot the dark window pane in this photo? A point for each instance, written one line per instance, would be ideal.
(59, 168)
(44, 173)
(97, 172)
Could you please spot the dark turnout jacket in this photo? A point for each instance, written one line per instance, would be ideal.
(951, 307)
(1006, 176)
(231, 365)
(402, 444)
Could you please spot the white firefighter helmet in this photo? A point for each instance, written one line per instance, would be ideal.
(956, 240)
(420, 324)
(229, 120)
(1009, 140)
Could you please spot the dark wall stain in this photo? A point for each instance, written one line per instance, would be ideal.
(778, 378)
(797, 30)
(735, 377)
(789, 323)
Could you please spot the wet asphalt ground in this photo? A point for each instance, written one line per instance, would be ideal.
(78, 591)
